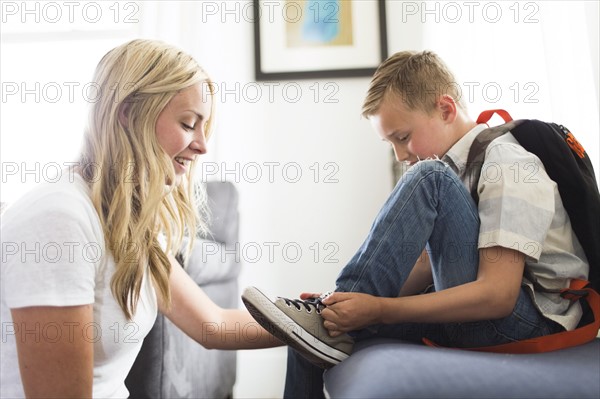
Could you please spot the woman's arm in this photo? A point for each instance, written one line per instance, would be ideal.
(210, 325)
(491, 296)
(55, 355)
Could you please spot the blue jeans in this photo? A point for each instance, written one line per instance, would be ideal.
(430, 209)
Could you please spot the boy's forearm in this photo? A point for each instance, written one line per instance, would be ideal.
(491, 296)
(464, 303)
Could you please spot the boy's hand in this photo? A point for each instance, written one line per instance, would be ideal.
(349, 311)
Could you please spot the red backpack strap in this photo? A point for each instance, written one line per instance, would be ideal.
(485, 116)
(561, 340)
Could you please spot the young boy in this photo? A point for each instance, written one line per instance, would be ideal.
(436, 265)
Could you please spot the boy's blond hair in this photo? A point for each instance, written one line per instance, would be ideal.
(416, 78)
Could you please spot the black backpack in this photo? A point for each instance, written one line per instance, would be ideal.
(566, 162)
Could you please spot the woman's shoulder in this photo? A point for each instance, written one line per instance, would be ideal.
(53, 205)
(54, 246)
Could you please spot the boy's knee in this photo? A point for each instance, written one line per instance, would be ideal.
(428, 165)
(434, 170)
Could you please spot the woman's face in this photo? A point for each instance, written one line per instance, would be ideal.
(181, 127)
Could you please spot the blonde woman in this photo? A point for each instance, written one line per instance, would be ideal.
(88, 261)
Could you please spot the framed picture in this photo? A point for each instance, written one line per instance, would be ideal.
(299, 39)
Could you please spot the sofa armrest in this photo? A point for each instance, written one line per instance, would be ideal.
(171, 364)
(212, 262)
(387, 368)
(215, 259)
(224, 219)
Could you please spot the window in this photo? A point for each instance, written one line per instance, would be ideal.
(48, 53)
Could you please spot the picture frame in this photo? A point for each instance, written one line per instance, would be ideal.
(295, 39)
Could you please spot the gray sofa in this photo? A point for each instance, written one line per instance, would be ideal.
(172, 365)
(384, 368)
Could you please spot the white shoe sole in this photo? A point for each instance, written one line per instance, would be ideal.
(287, 330)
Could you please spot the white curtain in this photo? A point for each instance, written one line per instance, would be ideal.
(536, 59)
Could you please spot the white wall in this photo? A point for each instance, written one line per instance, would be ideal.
(557, 56)
(527, 51)
(533, 54)
(335, 215)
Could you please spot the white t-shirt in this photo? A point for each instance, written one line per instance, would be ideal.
(53, 254)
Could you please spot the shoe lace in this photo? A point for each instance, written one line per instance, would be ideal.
(308, 304)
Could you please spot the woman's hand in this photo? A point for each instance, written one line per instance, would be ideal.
(349, 311)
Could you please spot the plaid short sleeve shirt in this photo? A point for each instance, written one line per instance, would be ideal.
(520, 208)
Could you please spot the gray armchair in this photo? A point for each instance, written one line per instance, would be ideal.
(386, 368)
(172, 365)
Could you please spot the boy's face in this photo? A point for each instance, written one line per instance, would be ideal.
(413, 134)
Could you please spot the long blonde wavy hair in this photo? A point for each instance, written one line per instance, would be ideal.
(129, 173)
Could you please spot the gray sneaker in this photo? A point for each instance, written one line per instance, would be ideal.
(299, 324)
